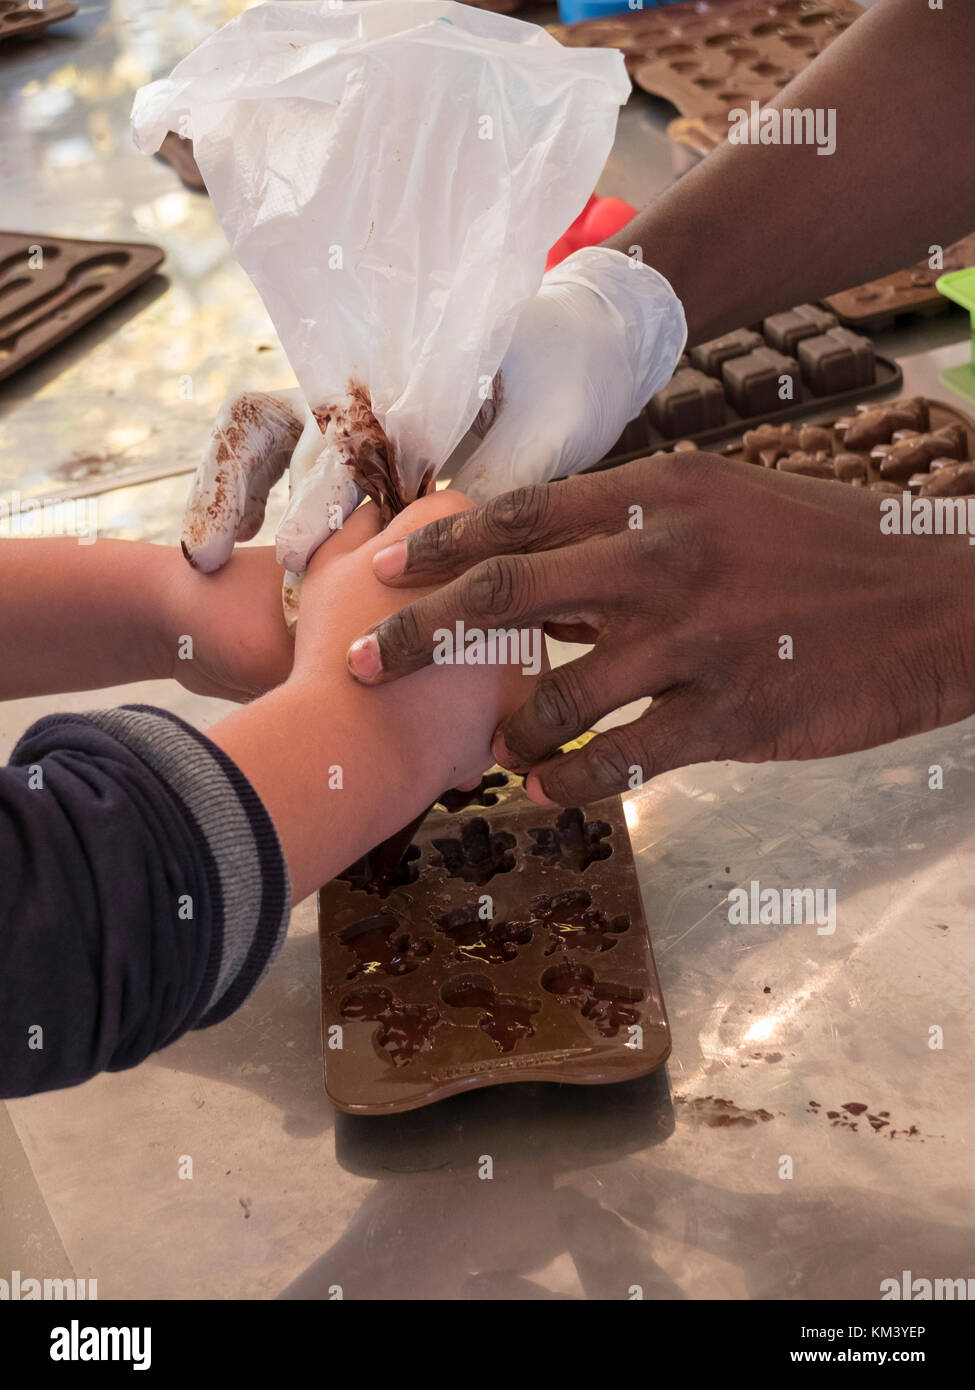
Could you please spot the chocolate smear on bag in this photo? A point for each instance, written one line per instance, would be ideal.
(366, 450)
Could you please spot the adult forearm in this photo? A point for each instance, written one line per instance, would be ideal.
(760, 227)
(76, 617)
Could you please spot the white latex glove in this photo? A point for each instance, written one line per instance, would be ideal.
(255, 437)
(603, 334)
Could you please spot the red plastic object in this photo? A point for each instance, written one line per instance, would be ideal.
(599, 219)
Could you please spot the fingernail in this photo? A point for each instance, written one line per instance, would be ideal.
(534, 792)
(390, 562)
(500, 751)
(364, 659)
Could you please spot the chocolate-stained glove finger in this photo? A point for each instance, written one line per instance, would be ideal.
(568, 700)
(504, 593)
(672, 733)
(536, 518)
(248, 450)
(323, 495)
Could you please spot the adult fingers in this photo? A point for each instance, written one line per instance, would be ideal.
(500, 596)
(674, 732)
(539, 517)
(566, 701)
(248, 450)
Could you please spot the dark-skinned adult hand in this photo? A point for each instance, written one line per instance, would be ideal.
(689, 573)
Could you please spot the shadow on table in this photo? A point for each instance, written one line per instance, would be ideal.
(436, 1226)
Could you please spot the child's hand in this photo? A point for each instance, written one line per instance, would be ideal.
(338, 766)
(452, 712)
(224, 634)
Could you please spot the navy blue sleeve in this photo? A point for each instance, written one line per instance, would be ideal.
(144, 893)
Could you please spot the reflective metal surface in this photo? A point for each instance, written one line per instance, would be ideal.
(723, 1177)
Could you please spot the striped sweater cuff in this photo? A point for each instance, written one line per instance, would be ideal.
(250, 888)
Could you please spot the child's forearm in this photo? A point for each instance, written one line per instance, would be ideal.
(79, 617)
(340, 766)
(337, 777)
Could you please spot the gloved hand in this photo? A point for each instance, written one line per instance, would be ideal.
(601, 336)
(255, 437)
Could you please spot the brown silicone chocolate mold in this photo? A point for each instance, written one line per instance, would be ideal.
(51, 286)
(876, 304)
(699, 402)
(708, 58)
(513, 947)
(916, 444)
(19, 20)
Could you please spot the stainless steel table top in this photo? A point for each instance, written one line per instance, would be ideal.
(596, 1193)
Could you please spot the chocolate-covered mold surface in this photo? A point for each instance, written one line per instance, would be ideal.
(916, 444)
(533, 965)
(879, 302)
(19, 20)
(51, 286)
(743, 369)
(709, 58)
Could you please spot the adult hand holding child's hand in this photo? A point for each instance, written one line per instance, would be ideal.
(339, 767)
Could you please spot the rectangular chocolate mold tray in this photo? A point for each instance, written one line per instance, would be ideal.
(658, 425)
(708, 58)
(19, 20)
(509, 945)
(918, 444)
(876, 304)
(51, 286)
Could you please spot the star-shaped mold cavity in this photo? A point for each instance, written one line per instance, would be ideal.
(384, 945)
(493, 943)
(573, 841)
(478, 855)
(575, 924)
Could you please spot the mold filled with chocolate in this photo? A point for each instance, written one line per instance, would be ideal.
(760, 381)
(690, 402)
(711, 357)
(920, 445)
(736, 381)
(509, 945)
(787, 330)
(837, 360)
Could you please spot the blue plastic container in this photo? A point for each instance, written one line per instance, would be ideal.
(572, 11)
